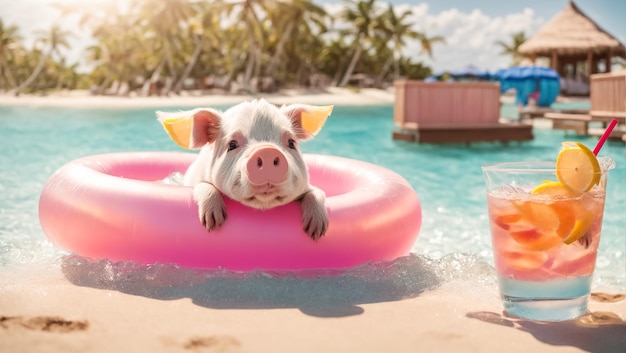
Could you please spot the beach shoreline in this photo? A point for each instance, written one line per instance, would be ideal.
(83, 99)
(327, 96)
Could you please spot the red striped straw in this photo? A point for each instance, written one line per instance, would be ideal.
(605, 136)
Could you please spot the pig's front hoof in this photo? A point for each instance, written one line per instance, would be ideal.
(314, 215)
(315, 227)
(211, 208)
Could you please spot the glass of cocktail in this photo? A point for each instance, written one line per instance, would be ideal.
(545, 220)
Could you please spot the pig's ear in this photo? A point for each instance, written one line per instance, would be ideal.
(308, 120)
(206, 127)
(191, 129)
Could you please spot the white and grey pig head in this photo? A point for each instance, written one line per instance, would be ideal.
(251, 154)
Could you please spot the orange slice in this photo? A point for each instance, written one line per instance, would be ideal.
(581, 227)
(564, 209)
(574, 219)
(534, 239)
(178, 128)
(541, 215)
(577, 167)
(314, 118)
(504, 221)
(567, 217)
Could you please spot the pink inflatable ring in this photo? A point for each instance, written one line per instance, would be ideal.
(114, 206)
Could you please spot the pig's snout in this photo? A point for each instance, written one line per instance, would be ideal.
(265, 165)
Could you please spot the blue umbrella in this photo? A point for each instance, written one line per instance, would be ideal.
(526, 72)
(470, 71)
(530, 79)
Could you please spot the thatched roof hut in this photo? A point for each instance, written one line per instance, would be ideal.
(570, 38)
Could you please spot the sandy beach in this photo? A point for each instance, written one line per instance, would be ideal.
(411, 305)
(73, 309)
(83, 99)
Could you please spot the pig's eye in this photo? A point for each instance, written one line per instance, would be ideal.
(291, 143)
(232, 145)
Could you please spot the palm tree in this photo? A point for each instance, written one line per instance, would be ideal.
(427, 43)
(332, 59)
(396, 28)
(512, 48)
(165, 19)
(291, 20)
(381, 60)
(413, 71)
(120, 45)
(250, 25)
(361, 14)
(302, 56)
(9, 40)
(66, 75)
(107, 24)
(54, 39)
(204, 30)
(282, 39)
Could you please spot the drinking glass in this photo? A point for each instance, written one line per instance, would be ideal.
(544, 243)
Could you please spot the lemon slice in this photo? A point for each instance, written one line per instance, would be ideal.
(581, 227)
(315, 118)
(577, 167)
(554, 188)
(179, 129)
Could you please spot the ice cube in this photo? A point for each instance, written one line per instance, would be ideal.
(606, 163)
(510, 189)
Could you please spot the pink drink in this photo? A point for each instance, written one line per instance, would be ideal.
(545, 244)
(526, 249)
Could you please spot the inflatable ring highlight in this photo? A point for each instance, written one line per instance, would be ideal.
(116, 206)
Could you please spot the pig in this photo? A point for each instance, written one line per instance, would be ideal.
(251, 154)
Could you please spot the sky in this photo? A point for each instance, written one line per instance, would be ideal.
(470, 27)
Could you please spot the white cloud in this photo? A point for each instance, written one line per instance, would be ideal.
(470, 37)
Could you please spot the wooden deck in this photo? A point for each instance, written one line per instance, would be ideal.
(452, 112)
(502, 132)
(607, 102)
(527, 114)
(617, 135)
(579, 123)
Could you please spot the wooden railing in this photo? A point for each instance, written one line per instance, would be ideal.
(446, 103)
(608, 94)
(452, 112)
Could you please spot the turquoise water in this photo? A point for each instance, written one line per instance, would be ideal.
(448, 179)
